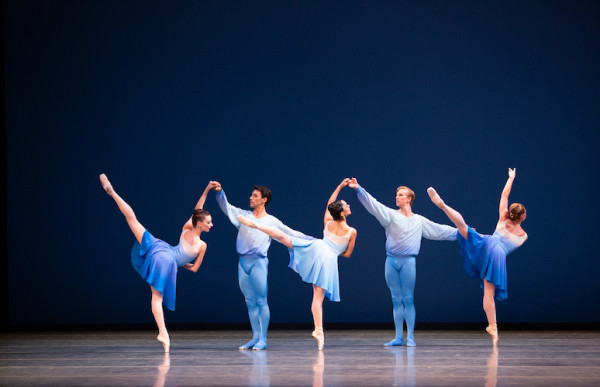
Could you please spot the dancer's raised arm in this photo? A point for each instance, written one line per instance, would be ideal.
(505, 193)
(378, 210)
(328, 218)
(211, 185)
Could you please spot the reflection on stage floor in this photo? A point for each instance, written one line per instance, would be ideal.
(350, 358)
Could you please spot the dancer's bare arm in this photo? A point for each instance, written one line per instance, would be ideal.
(211, 185)
(505, 193)
(196, 265)
(328, 218)
(350, 248)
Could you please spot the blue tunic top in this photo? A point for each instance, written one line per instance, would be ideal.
(251, 242)
(404, 233)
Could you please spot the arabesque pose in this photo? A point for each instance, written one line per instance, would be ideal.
(156, 261)
(484, 256)
(316, 260)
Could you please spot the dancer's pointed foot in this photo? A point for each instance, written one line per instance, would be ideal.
(246, 221)
(260, 345)
(398, 341)
(493, 331)
(435, 198)
(248, 345)
(106, 184)
(320, 336)
(410, 342)
(166, 342)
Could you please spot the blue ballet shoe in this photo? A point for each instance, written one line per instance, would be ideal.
(260, 345)
(410, 342)
(249, 345)
(394, 343)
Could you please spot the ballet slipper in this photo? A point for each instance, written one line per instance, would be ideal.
(166, 342)
(410, 342)
(246, 221)
(106, 184)
(493, 331)
(248, 345)
(260, 345)
(435, 198)
(395, 343)
(320, 336)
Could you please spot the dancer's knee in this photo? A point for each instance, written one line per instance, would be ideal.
(408, 300)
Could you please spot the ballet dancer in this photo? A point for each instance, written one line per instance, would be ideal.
(252, 247)
(484, 256)
(156, 261)
(404, 230)
(316, 260)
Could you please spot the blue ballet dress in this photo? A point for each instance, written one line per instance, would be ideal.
(316, 261)
(156, 261)
(484, 256)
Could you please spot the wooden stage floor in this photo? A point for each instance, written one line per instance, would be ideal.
(350, 358)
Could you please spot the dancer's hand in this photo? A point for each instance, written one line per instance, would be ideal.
(353, 183)
(215, 185)
(344, 182)
(512, 172)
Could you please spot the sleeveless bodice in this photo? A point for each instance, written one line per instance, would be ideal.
(337, 243)
(184, 252)
(506, 239)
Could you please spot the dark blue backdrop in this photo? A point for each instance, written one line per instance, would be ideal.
(164, 96)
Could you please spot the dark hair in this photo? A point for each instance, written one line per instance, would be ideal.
(516, 211)
(198, 216)
(335, 209)
(264, 192)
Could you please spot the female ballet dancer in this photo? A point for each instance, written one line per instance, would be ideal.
(156, 261)
(484, 256)
(316, 260)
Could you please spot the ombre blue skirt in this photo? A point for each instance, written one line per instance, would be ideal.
(484, 258)
(152, 259)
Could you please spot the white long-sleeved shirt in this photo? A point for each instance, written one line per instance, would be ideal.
(404, 233)
(251, 242)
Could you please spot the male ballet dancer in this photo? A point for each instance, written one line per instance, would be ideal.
(252, 245)
(404, 230)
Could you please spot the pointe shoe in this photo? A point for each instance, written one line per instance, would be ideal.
(435, 198)
(320, 336)
(106, 184)
(166, 342)
(493, 331)
(246, 221)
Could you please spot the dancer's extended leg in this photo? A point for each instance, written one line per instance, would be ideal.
(317, 312)
(392, 278)
(454, 216)
(489, 306)
(135, 226)
(157, 311)
(274, 233)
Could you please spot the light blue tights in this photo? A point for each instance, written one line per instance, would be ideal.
(400, 276)
(252, 277)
